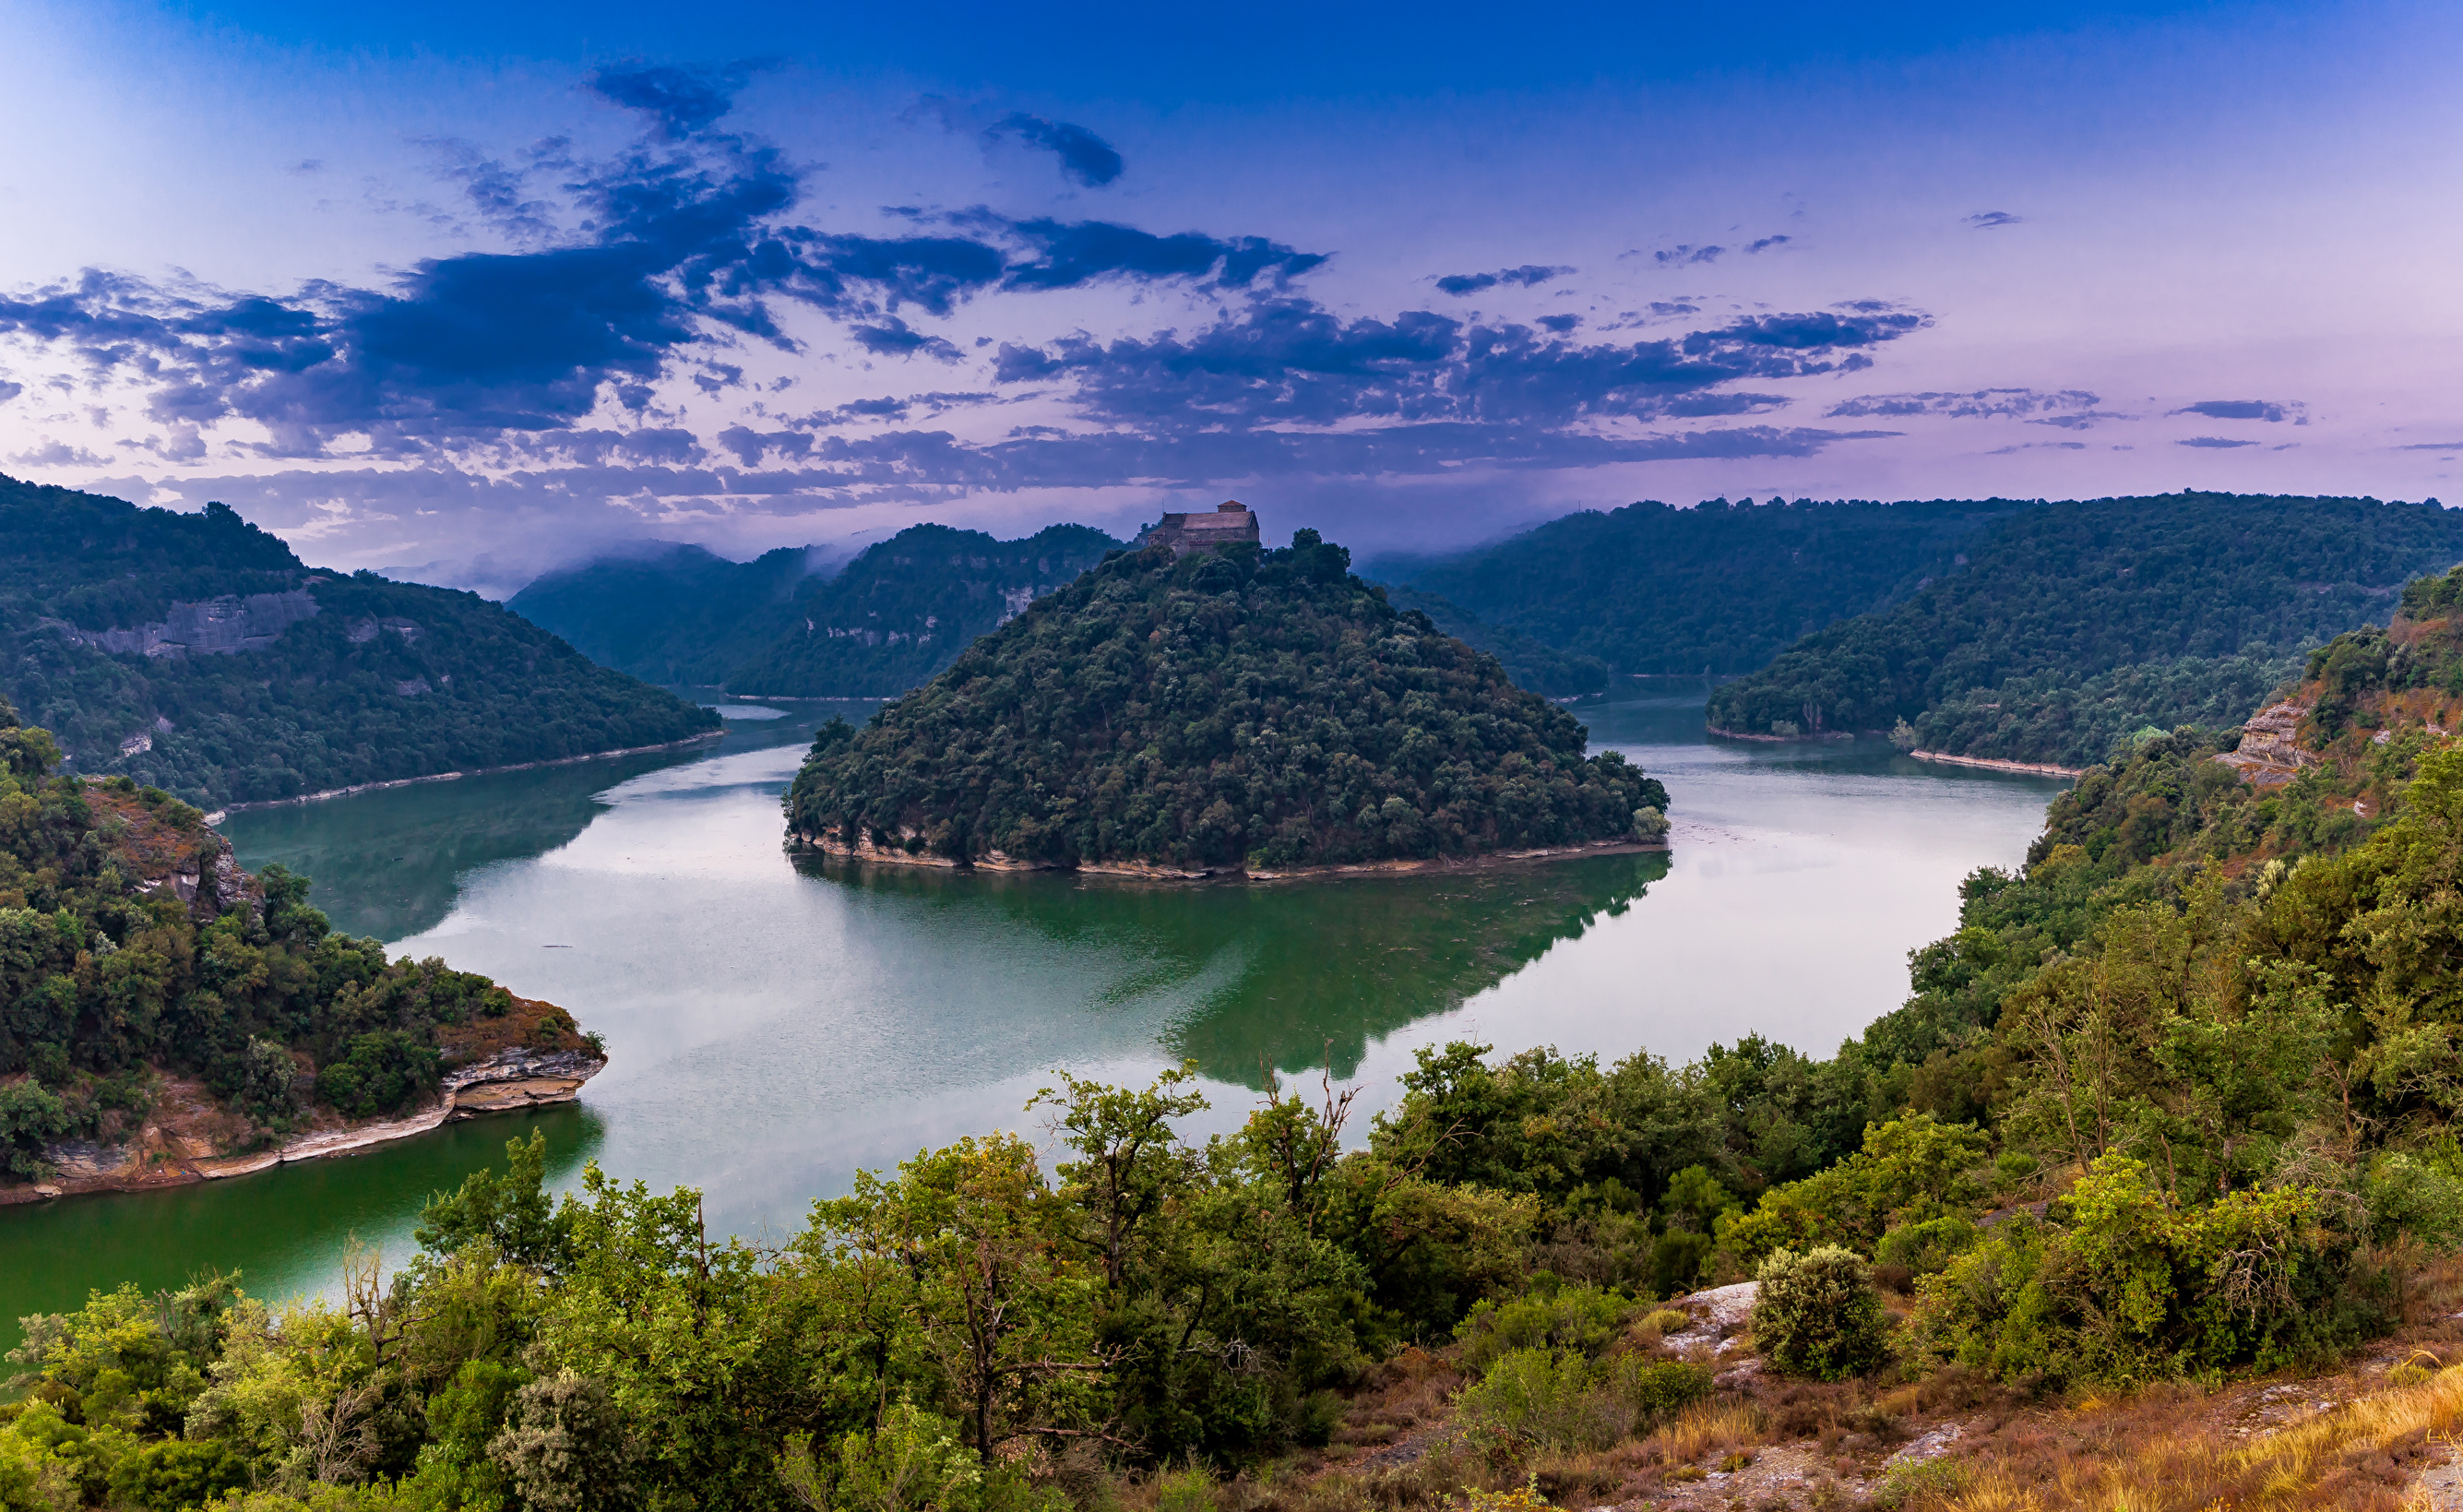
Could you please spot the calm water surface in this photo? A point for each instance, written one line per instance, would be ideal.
(775, 1025)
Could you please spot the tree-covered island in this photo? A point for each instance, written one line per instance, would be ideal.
(1231, 709)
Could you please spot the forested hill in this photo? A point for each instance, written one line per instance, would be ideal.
(888, 621)
(132, 946)
(1231, 707)
(2076, 623)
(195, 653)
(1719, 587)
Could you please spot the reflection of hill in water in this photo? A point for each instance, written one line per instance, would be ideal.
(1289, 972)
(391, 864)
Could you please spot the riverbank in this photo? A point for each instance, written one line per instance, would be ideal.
(1142, 871)
(1988, 764)
(228, 809)
(181, 1141)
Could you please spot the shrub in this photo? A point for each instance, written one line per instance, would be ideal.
(1579, 1317)
(1546, 1399)
(1665, 1321)
(1927, 1248)
(1818, 1315)
(1655, 1389)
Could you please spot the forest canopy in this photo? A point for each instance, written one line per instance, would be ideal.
(1231, 707)
(2077, 624)
(360, 679)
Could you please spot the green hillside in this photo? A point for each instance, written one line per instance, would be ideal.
(1225, 707)
(1717, 588)
(195, 653)
(132, 946)
(884, 624)
(2077, 624)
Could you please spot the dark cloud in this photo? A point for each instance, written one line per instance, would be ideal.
(2068, 407)
(2266, 409)
(10, 390)
(2217, 443)
(1067, 254)
(1528, 276)
(1562, 325)
(1769, 243)
(2417, 446)
(1672, 307)
(1084, 157)
(1289, 361)
(682, 101)
(895, 338)
(1687, 255)
(1992, 220)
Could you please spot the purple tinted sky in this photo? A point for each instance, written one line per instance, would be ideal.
(477, 289)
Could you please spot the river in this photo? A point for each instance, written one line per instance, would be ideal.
(773, 1025)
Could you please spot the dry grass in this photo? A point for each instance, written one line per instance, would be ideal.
(2361, 1455)
(1706, 1426)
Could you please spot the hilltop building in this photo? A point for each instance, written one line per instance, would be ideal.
(1232, 521)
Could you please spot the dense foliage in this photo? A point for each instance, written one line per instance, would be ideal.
(1228, 707)
(1541, 669)
(1717, 588)
(109, 977)
(388, 680)
(2078, 623)
(883, 623)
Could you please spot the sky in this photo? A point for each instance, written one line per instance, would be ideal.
(470, 292)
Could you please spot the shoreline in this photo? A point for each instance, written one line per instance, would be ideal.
(229, 810)
(1988, 763)
(155, 1160)
(1142, 871)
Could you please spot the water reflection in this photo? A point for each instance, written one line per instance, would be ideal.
(1291, 976)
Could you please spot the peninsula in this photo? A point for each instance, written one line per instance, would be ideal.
(1217, 709)
(170, 1019)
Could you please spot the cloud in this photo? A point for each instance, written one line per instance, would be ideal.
(1291, 361)
(2417, 446)
(683, 102)
(2035, 446)
(1084, 157)
(2217, 443)
(1687, 255)
(58, 455)
(2266, 409)
(1069, 255)
(1768, 243)
(689, 245)
(1992, 220)
(1528, 276)
(2068, 407)
(895, 338)
(10, 390)
(1562, 325)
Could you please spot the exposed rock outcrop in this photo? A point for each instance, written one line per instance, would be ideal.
(190, 1137)
(211, 626)
(2270, 752)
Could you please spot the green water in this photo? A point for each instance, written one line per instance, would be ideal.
(774, 1024)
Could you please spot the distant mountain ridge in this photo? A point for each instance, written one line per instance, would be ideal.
(197, 654)
(1718, 588)
(2081, 622)
(885, 622)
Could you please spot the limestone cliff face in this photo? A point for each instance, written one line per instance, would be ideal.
(221, 627)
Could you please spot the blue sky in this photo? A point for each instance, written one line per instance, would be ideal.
(474, 290)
